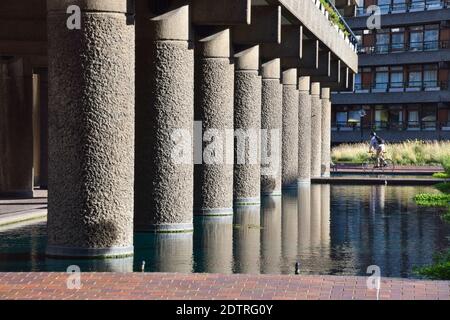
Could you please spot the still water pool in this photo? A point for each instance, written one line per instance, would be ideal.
(327, 229)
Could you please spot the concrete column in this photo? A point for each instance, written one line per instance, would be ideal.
(247, 123)
(214, 82)
(16, 134)
(316, 130)
(91, 130)
(164, 124)
(304, 130)
(271, 125)
(290, 129)
(326, 132)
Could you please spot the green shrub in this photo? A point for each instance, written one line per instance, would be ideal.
(446, 165)
(443, 187)
(439, 270)
(432, 199)
(441, 175)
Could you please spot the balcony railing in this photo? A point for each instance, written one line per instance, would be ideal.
(407, 7)
(410, 86)
(393, 126)
(405, 47)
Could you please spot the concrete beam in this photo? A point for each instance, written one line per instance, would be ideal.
(221, 12)
(315, 22)
(265, 27)
(323, 66)
(290, 46)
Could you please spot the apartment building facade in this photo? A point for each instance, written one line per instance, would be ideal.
(402, 86)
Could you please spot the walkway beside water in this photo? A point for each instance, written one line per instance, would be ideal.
(14, 210)
(149, 286)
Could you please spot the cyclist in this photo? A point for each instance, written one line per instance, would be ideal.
(377, 144)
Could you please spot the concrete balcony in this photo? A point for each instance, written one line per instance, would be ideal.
(429, 11)
(391, 131)
(384, 93)
(407, 53)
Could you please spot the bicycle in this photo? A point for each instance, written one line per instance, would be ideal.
(371, 164)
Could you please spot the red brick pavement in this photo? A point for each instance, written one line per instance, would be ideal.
(144, 286)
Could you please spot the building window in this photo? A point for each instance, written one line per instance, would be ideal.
(384, 6)
(381, 117)
(431, 37)
(428, 117)
(430, 76)
(397, 39)
(417, 5)
(381, 78)
(416, 38)
(396, 77)
(382, 41)
(413, 118)
(415, 77)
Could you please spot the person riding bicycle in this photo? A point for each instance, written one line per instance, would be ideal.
(377, 144)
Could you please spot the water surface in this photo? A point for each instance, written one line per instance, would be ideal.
(328, 229)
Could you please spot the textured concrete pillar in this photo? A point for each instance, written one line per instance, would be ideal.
(326, 132)
(316, 130)
(16, 135)
(290, 129)
(91, 130)
(247, 123)
(304, 130)
(164, 124)
(214, 239)
(271, 235)
(247, 239)
(271, 125)
(214, 82)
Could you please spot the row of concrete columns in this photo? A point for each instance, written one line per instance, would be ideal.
(112, 169)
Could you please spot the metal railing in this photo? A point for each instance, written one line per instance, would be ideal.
(408, 86)
(392, 126)
(407, 7)
(405, 47)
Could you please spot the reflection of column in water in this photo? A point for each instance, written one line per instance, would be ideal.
(304, 217)
(377, 199)
(315, 215)
(246, 239)
(173, 252)
(289, 220)
(214, 242)
(271, 235)
(325, 215)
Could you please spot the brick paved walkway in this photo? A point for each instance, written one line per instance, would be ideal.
(144, 286)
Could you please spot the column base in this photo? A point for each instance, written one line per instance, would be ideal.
(247, 201)
(89, 253)
(274, 193)
(212, 212)
(168, 228)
